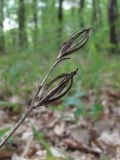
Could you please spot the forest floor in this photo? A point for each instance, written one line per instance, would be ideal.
(83, 126)
(56, 133)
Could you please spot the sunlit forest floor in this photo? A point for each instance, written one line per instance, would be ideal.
(83, 126)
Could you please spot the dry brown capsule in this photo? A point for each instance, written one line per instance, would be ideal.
(64, 83)
(71, 46)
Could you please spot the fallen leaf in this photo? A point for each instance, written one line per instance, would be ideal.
(3, 118)
(110, 138)
(56, 152)
(81, 135)
(5, 154)
(59, 129)
(41, 154)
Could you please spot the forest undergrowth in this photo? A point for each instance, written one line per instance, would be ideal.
(84, 124)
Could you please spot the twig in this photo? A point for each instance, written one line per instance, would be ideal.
(75, 145)
(58, 91)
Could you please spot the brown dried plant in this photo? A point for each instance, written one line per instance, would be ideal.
(44, 94)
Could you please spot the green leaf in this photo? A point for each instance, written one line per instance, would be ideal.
(37, 134)
(57, 108)
(96, 109)
(72, 101)
(3, 131)
(79, 111)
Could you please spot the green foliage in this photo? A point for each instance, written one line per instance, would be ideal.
(76, 102)
(81, 109)
(14, 106)
(19, 71)
(58, 108)
(3, 131)
(96, 110)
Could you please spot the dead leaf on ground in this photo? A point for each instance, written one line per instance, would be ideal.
(59, 129)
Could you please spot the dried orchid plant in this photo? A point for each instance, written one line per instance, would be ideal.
(62, 83)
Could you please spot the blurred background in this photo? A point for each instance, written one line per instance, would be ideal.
(32, 32)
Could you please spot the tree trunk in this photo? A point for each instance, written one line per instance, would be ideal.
(21, 23)
(112, 18)
(94, 13)
(2, 38)
(99, 12)
(60, 11)
(60, 20)
(35, 20)
(81, 14)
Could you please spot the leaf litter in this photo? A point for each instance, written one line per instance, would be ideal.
(63, 136)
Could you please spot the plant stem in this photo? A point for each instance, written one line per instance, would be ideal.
(31, 107)
(16, 126)
(51, 69)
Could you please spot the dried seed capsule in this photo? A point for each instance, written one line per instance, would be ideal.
(66, 81)
(71, 46)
